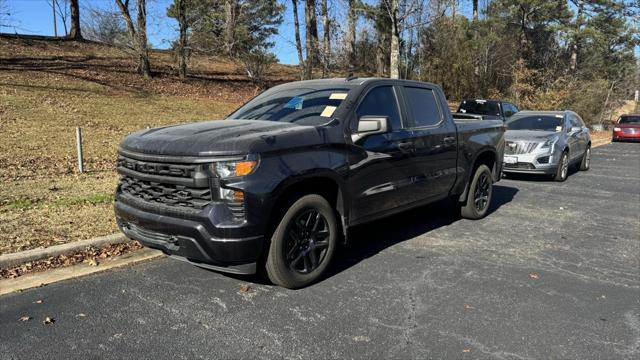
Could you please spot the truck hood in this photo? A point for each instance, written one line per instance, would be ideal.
(220, 138)
(529, 135)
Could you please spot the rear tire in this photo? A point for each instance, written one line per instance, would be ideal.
(303, 244)
(585, 164)
(563, 168)
(479, 196)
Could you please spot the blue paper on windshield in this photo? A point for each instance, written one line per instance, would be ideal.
(295, 103)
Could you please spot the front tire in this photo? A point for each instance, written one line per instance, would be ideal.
(479, 197)
(563, 168)
(585, 164)
(303, 244)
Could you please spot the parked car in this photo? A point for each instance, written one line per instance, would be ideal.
(486, 109)
(627, 128)
(546, 142)
(283, 178)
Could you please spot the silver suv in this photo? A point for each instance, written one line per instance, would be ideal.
(546, 142)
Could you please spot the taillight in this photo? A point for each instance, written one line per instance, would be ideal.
(617, 129)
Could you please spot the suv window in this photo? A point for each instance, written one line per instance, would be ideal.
(381, 101)
(573, 119)
(422, 106)
(509, 109)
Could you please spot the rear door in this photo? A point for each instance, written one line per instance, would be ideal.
(434, 136)
(382, 166)
(577, 143)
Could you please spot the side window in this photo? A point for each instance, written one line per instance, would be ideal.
(580, 122)
(381, 101)
(422, 106)
(574, 121)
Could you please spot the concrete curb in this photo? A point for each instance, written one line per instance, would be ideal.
(70, 272)
(19, 258)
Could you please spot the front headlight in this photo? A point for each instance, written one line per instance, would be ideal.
(549, 143)
(227, 169)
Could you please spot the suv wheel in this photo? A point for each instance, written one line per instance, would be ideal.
(303, 243)
(480, 192)
(586, 159)
(563, 168)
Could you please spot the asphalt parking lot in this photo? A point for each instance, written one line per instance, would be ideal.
(553, 272)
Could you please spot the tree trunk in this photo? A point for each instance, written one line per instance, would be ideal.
(75, 32)
(382, 60)
(230, 24)
(350, 36)
(182, 40)
(143, 51)
(475, 10)
(296, 26)
(575, 47)
(326, 38)
(395, 41)
(312, 37)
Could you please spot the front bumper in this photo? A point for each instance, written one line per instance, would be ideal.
(196, 239)
(623, 136)
(537, 162)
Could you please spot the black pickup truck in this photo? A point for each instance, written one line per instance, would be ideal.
(277, 184)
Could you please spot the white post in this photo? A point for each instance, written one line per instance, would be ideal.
(79, 148)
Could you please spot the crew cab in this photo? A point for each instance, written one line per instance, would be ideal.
(278, 183)
(485, 109)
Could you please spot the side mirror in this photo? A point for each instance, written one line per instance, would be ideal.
(508, 114)
(575, 129)
(369, 125)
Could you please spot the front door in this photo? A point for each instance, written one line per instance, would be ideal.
(382, 166)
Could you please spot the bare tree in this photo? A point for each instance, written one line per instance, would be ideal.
(230, 7)
(296, 26)
(326, 37)
(5, 14)
(350, 36)
(311, 37)
(182, 39)
(573, 63)
(75, 32)
(394, 9)
(137, 33)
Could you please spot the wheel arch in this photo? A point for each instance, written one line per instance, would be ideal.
(487, 157)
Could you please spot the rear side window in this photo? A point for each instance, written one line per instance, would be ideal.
(422, 107)
(381, 101)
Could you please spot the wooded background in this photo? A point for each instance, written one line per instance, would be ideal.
(575, 54)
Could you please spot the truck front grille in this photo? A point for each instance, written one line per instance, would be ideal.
(519, 147)
(166, 194)
(181, 186)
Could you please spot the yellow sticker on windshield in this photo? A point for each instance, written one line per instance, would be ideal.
(338, 96)
(558, 128)
(328, 111)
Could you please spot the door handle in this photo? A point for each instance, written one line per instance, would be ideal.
(449, 139)
(405, 146)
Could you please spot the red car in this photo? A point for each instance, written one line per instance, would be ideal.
(627, 128)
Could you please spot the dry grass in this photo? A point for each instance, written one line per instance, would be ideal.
(49, 88)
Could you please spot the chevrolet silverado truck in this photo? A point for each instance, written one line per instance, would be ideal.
(275, 187)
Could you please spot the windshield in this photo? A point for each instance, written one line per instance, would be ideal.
(542, 123)
(635, 119)
(303, 106)
(479, 107)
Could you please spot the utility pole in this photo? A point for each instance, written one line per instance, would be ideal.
(53, 8)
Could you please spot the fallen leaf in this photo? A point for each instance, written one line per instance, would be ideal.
(468, 307)
(534, 276)
(81, 315)
(91, 262)
(49, 320)
(38, 302)
(466, 350)
(246, 288)
(25, 318)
